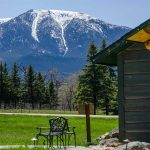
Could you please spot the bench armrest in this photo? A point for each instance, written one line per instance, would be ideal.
(40, 128)
(72, 128)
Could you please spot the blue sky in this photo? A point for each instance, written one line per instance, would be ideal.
(121, 12)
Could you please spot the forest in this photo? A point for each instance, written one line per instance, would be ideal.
(24, 88)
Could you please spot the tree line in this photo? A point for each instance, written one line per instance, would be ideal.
(22, 87)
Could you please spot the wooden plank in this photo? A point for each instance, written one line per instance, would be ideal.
(136, 97)
(137, 116)
(137, 105)
(137, 91)
(137, 79)
(137, 122)
(137, 67)
(137, 55)
(136, 136)
(134, 73)
(136, 46)
(121, 96)
(138, 126)
(137, 60)
(137, 131)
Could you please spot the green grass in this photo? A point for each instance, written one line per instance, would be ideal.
(18, 130)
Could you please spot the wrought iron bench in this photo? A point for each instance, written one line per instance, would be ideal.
(59, 128)
(68, 132)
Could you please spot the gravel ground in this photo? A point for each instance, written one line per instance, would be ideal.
(44, 147)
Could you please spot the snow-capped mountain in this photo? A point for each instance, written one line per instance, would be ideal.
(53, 38)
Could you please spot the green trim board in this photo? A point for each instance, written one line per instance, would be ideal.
(109, 55)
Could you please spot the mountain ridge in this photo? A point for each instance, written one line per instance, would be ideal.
(53, 33)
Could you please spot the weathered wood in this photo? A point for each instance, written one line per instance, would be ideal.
(137, 79)
(137, 91)
(137, 105)
(137, 122)
(121, 97)
(136, 136)
(137, 67)
(137, 116)
(137, 55)
(134, 93)
(136, 97)
(138, 126)
(136, 46)
(137, 131)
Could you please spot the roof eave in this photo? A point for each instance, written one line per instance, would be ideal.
(104, 57)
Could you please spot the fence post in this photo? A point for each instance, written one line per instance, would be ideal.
(88, 128)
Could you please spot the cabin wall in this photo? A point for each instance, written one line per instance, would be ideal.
(134, 93)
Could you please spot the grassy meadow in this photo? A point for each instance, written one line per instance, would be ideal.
(19, 130)
(43, 111)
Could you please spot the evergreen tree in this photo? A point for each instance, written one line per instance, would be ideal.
(95, 84)
(1, 83)
(53, 97)
(109, 91)
(7, 85)
(39, 88)
(30, 80)
(88, 81)
(15, 85)
(103, 44)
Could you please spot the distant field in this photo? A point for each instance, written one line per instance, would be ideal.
(41, 111)
(18, 130)
(37, 111)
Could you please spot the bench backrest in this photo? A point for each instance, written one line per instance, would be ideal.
(58, 124)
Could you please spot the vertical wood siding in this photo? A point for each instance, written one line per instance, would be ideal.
(135, 98)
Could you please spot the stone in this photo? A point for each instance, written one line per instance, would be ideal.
(135, 146)
(113, 134)
(110, 142)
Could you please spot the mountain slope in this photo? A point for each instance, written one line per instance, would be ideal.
(59, 37)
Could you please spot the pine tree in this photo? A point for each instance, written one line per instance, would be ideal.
(95, 84)
(30, 80)
(103, 44)
(53, 97)
(39, 88)
(1, 83)
(88, 81)
(15, 85)
(109, 91)
(6, 85)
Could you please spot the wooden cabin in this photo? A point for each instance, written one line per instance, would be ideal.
(131, 53)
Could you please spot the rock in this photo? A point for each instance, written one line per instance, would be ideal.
(113, 134)
(110, 141)
(113, 142)
(135, 146)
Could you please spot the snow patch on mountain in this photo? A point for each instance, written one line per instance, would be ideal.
(39, 15)
(64, 17)
(3, 20)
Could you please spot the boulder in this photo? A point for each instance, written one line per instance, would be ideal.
(113, 134)
(134, 146)
(112, 142)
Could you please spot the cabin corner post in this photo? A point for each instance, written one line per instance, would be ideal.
(121, 100)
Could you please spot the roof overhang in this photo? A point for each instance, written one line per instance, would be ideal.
(140, 34)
